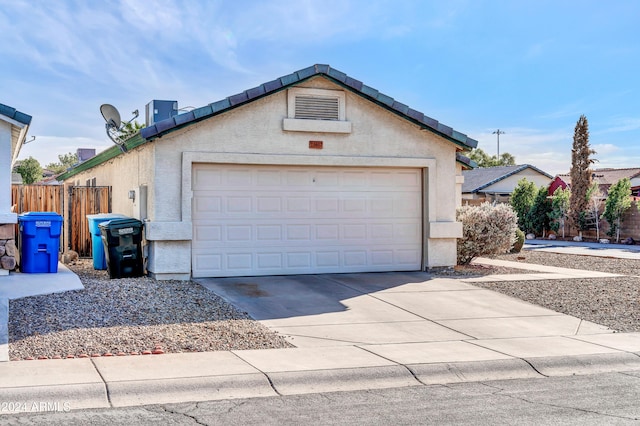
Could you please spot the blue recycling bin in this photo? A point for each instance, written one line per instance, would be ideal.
(39, 242)
(97, 248)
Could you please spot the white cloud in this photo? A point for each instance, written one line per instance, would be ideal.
(46, 149)
(548, 151)
(605, 148)
(624, 124)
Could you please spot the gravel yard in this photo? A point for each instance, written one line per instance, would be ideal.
(614, 302)
(132, 315)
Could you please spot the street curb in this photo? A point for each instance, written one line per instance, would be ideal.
(341, 379)
(586, 364)
(473, 371)
(43, 389)
(59, 397)
(189, 389)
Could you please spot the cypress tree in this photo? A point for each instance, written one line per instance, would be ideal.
(580, 173)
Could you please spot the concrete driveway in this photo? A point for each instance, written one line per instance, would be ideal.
(392, 309)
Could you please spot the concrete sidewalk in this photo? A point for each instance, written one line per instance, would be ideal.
(621, 251)
(352, 331)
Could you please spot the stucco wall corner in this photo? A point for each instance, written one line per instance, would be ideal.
(447, 230)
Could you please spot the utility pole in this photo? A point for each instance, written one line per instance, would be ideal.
(498, 133)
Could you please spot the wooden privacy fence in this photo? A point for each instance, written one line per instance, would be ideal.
(37, 198)
(83, 200)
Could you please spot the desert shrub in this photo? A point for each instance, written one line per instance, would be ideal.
(517, 245)
(486, 229)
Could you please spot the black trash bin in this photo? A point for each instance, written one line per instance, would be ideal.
(122, 239)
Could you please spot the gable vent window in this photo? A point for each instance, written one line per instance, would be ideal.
(316, 110)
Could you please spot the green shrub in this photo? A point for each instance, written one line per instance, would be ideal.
(517, 246)
(486, 229)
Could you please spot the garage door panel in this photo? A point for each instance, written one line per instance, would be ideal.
(263, 220)
(238, 233)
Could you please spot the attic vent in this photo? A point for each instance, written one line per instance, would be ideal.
(317, 108)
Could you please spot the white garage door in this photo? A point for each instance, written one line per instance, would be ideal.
(277, 220)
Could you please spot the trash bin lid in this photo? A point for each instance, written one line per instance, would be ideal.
(105, 216)
(120, 223)
(35, 216)
(95, 219)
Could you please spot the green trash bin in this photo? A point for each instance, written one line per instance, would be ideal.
(122, 240)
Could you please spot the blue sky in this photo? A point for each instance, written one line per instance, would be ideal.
(529, 68)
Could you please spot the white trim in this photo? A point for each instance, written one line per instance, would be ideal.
(167, 231)
(6, 218)
(321, 126)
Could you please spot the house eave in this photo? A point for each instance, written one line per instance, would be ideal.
(104, 156)
(355, 86)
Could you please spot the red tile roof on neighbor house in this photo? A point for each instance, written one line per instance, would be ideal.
(604, 177)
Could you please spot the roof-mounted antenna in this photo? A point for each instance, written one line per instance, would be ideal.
(114, 124)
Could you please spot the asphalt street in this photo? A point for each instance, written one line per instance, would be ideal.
(576, 400)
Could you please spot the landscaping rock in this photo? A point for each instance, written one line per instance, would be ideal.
(530, 237)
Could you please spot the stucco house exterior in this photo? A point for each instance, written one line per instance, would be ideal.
(14, 126)
(313, 172)
(495, 184)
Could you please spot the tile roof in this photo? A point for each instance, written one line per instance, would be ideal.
(467, 163)
(607, 176)
(477, 179)
(14, 114)
(158, 129)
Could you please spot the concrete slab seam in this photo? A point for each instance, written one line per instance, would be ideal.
(322, 277)
(423, 317)
(509, 355)
(260, 371)
(397, 363)
(106, 386)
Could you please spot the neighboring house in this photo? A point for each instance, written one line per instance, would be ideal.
(604, 177)
(16, 179)
(14, 126)
(314, 172)
(495, 184)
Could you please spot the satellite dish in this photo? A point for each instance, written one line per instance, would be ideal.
(111, 115)
(114, 125)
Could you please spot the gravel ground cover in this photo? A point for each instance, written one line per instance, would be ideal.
(614, 302)
(130, 315)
